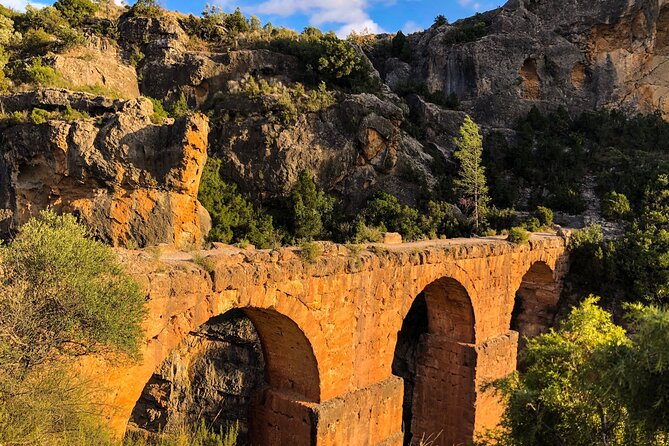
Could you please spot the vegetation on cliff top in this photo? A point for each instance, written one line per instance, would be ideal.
(554, 154)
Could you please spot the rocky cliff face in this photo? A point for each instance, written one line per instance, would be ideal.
(133, 182)
(136, 182)
(211, 377)
(354, 147)
(547, 53)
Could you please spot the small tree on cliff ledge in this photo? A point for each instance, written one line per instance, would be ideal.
(471, 183)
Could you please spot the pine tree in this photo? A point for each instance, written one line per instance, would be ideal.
(471, 181)
(311, 208)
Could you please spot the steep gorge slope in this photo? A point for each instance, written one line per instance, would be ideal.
(387, 136)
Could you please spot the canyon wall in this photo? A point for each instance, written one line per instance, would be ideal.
(577, 54)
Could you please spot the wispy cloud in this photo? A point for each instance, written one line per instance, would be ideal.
(411, 27)
(349, 15)
(473, 4)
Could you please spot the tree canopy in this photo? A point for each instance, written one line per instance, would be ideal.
(471, 182)
(591, 383)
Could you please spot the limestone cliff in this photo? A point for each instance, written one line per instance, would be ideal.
(132, 182)
(135, 182)
(547, 53)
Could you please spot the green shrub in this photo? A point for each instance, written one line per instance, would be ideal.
(146, 8)
(385, 210)
(586, 238)
(325, 57)
(290, 103)
(79, 294)
(210, 26)
(234, 219)
(312, 209)
(439, 219)
(51, 405)
(399, 47)
(45, 30)
(44, 76)
(532, 224)
(616, 206)
(500, 219)
(440, 20)
(74, 115)
(310, 251)
(236, 23)
(75, 11)
(544, 216)
(469, 29)
(564, 374)
(367, 234)
(642, 263)
(99, 90)
(62, 295)
(180, 107)
(159, 112)
(518, 236)
(553, 153)
(39, 116)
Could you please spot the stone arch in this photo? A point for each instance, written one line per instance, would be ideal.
(272, 346)
(436, 359)
(291, 363)
(450, 311)
(534, 302)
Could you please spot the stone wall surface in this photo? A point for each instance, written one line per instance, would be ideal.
(329, 329)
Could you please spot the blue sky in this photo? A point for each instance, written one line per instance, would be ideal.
(341, 16)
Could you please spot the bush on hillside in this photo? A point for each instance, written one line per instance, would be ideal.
(76, 11)
(518, 236)
(62, 295)
(544, 215)
(234, 219)
(146, 8)
(615, 206)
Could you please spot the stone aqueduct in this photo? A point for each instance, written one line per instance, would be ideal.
(329, 329)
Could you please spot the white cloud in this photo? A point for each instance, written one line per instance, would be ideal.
(411, 27)
(20, 5)
(351, 15)
(476, 6)
(366, 27)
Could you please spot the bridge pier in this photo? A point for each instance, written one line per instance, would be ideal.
(448, 400)
(366, 417)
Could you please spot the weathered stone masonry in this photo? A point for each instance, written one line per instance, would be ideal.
(329, 331)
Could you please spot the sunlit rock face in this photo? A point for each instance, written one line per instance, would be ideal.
(578, 54)
(134, 183)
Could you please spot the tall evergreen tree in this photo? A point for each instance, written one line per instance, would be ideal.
(311, 208)
(471, 182)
